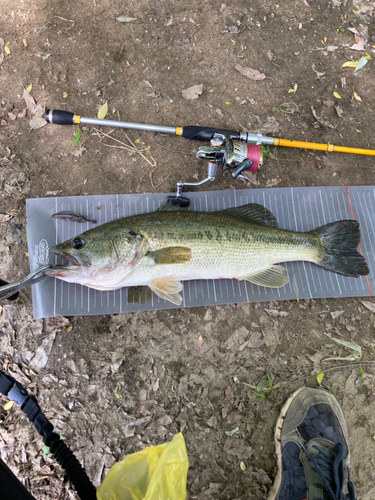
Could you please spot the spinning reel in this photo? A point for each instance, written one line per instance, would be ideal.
(231, 154)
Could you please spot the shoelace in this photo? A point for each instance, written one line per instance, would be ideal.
(330, 469)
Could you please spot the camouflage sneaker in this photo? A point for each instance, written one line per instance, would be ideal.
(311, 449)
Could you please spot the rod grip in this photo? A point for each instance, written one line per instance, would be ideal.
(205, 134)
(59, 117)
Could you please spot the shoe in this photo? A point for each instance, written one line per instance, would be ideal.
(311, 449)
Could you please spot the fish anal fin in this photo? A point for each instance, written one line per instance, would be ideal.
(171, 255)
(272, 277)
(252, 212)
(167, 288)
(139, 294)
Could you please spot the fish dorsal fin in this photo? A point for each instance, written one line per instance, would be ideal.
(253, 212)
(169, 207)
(273, 277)
(139, 294)
(167, 288)
(171, 255)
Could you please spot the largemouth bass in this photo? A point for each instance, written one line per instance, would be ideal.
(155, 252)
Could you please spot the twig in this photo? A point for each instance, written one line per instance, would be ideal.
(132, 149)
(172, 150)
(160, 183)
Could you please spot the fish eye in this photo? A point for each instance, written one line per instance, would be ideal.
(78, 243)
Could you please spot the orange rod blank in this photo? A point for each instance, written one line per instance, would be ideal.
(322, 147)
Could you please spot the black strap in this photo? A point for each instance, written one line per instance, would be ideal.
(13, 390)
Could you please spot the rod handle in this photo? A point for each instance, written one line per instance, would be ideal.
(59, 117)
(204, 133)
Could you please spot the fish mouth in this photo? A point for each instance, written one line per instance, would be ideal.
(66, 256)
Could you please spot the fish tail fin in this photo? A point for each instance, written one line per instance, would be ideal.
(339, 241)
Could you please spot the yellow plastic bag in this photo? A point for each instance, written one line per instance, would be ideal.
(155, 473)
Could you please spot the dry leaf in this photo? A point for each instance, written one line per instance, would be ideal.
(8, 405)
(358, 46)
(357, 97)
(337, 95)
(4, 217)
(30, 102)
(192, 20)
(192, 92)
(339, 111)
(369, 305)
(252, 74)
(125, 19)
(7, 49)
(37, 122)
(350, 64)
(103, 111)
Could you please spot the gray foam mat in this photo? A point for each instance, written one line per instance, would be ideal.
(298, 209)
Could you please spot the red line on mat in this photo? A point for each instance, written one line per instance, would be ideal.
(359, 245)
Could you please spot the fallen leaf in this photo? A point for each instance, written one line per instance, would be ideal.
(369, 305)
(357, 97)
(337, 95)
(125, 19)
(358, 131)
(8, 405)
(1, 57)
(361, 63)
(252, 74)
(79, 152)
(12, 116)
(192, 20)
(7, 49)
(358, 46)
(336, 314)
(319, 377)
(294, 89)
(25, 44)
(192, 92)
(339, 111)
(223, 7)
(350, 64)
(4, 217)
(37, 122)
(30, 102)
(354, 30)
(318, 73)
(103, 111)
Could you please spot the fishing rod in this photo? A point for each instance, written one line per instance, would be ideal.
(240, 151)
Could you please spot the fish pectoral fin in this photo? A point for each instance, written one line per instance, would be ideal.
(171, 255)
(273, 277)
(139, 294)
(252, 212)
(167, 288)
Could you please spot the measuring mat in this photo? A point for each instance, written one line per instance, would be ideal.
(297, 209)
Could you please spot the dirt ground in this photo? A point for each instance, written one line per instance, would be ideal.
(113, 385)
